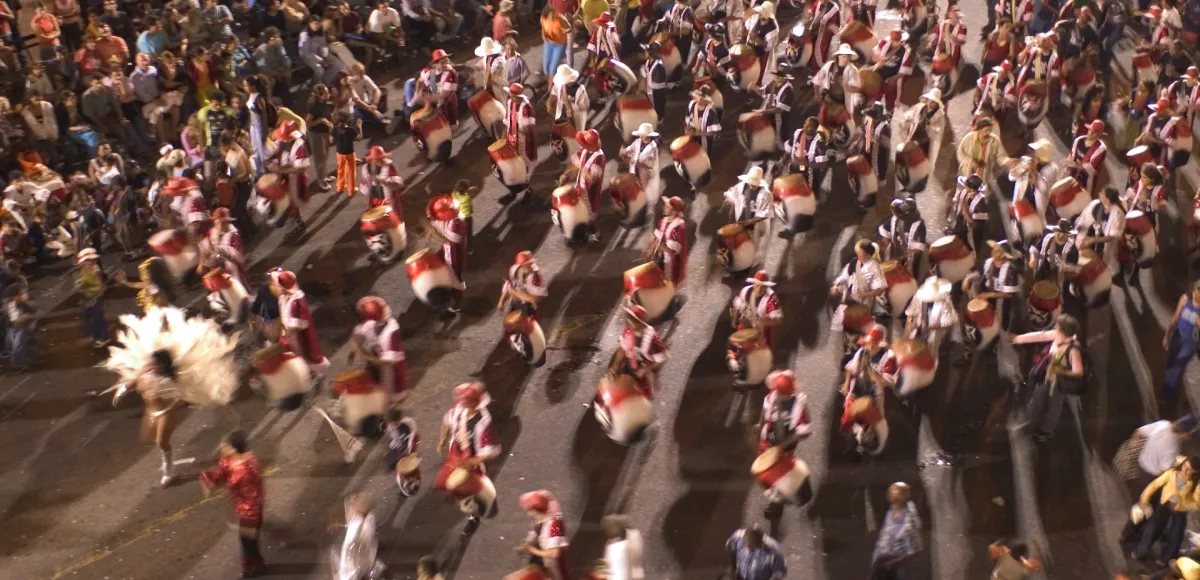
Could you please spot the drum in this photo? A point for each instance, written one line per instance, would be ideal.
(285, 375)
(691, 161)
(561, 133)
(432, 281)
(474, 491)
(795, 203)
(271, 186)
(983, 323)
(274, 202)
(1068, 198)
(912, 167)
(1143, 67)
(384, 233)
(1138, 156)
(629, 197)
(856, 320)
(718, 99)
(862, 177)
(952, 258)
(431, 132)
(746, 67)
(860, 37)
(669, 53)
(1095, 278)
(525, 336)
(570, 211)
(408, 464)
(408, 474)
(749, 357)
(364, 402)
(1045, 303)
(871, 83)
(901, 286)
(1179, 143)
(508, 166)
(623, 408)
(917, 365)
(180, 255)
(865, 411)
(489, 113)
(783, 476)
(1140, 238)
(756, 133)
(622, 79)
(647, 286)
(735, 248)
(942, 64)
(632, 111)
(530, 572)
(1027, 220)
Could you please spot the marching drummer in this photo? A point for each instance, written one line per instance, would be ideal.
(869, 372)
(838, 81)
(998, 280)
(969, 208)
(862, 281)
(1057, 257)
(590, 159)
(379, 342)
(778, 96)
(299, 328)
(448, 227)
(1101, 226)
(568, 100)
(654, 77)
(757, 306)
(713, 57)
(290, 161)
(467, 439)
(893, 60)
(1086, 158)
(520, 121)
(980, 151)
(951, 35)
(993, 88)
(809, 152)
(670, 244)
(1184, 94)
(403, 441)
(784, 421)
(437, 85)
(604, 44)
(703, 121)
(827, 20)
(902, 237)
(678, 22)
(874, 140)
(1034, 175)
(1152, 128)
(222, 245)
(380, 182)
(751, 198)
(762, 33)
(1148, 193)
(547, 541)
(931, 314)
(642, 351)
(525, 286)
(642, 156)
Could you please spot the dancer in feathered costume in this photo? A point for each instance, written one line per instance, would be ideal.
(173, 361)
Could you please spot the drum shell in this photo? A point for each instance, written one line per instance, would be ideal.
(571, 213)
(272, 187)
(691, 161)
(283, 374)
(754, 361)
(913, 168)
(633, 111)
(1138, 156)
(530, 572)
(918, 366)
(178, 253)
(532, 333)
(785, 478)
(1027, 220)
(488, 112)
(647, 286)
(1044, 304)
(747, 65)
(870, 415)
(508, 165)
(952, 257)
(623, 413)
(901, 286)
(860, 37)
(629, 197)
(397, 236)
(359, 407)
(740, 249)
(1096, 280)
(1139, 227)
(795, 203)
(862, 176)
(985, 324)
(432, 133)
(1068, 198)
(756, 133)
(432, 281)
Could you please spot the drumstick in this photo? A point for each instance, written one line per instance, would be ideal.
(350, 444)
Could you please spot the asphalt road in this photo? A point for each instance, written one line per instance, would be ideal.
(80, 497)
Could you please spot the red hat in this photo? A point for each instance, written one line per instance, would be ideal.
(284, 278)
(376, 153)
(221, 214)
(1097, 126)
(875, 334)
(895, 34)
(373, 308)
(285, 130)
(590, 139)
(1192, 72)
(216, 280)
(782, 382)
(437, 55)
(469, 393)
(524, 257)
(1155, 11)
(178, 186)
(536, 501)
(674, 203)
(515, 89)
(604, 18)
(1162, 105)
(637, 312)
(1006, 65)
(441, 208)
(761, 277)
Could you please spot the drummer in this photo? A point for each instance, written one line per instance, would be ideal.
(678, 22)
(703, 121)
(762, 34)
(751, 198)
(520, 122)
(1101, 226)
(642, 351)
(931, 314)
(784, 421)
(567, 103)
(869, 372)
(998, 281)
(447, 227)
(713, 59)
(591, 160)
(902, 237)
(874, 139)
(604, 44)
(654, 78)
(827, 20)
(1086, 158)
(669, 248)
(1038, 173)
(894, 60)
(524, 287)
(378, 341)
(757, 306)
(467, 439)
(642, 156)
(380, 182)
(1057, 257)
(809, 152)
(862, 281)
(970, 213)
(290, 161)
(1147, 194)
(838, 81)
(778, 96)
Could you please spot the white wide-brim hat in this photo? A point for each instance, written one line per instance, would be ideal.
(487, 47)
(766, 9)
(565, 75)
(645, 130)
(753, 177)
(933, 288)
(935, 95)
(845, 50)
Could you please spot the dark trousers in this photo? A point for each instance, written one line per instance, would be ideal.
(1045, 408)
(902, 571)
(252, 560)
(1178, 357)
(22, 346)
(241, 197)
(1166, 521)
(660, 105)
(94, 322)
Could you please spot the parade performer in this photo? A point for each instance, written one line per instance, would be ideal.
(762, 34)
(590, 160)
(1035, 61)
(654, 79)
(1034, 175)
(677, 22)
(239, 472)
(713, 59)
(1000, 46)
(703, 121)
(222, 247)
(568, 105)
(155, 285)
(950, 36)
(378, 341)
(998, 281)
(187, 201)
(448, 228)
(547, 541)
(402, 458)
(1153, 127)
(1057, 257)
(922, 125)
(980, 151)
(1184, 94)
(524, 287)
(1147, 194)
(809, 152)
(902, 237)
(436, 85)
(228, 299)
(861, 281)
(603, 45)
(894, 59)
(838, 84)
(641, 352)
(642, 156)
(1086, 158)
(380, 182)
(172, 361)
(784, 421)
(871, 370)
(1101, 226)
(876, 139)
(778, 96)
(863, 11)
(757, 306)
(996, 90)
(489, 52)
(669, 248)
(827, 21)
(969, 211)
(467, 440)
(521, 122)
(931, 314)
(751, 198)
(299, 330)
(357, 557)
(290, 161)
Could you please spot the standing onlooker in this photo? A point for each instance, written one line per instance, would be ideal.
(22, 328)
(67, 12)
(320, 123)
(46, 28)
(1182, 342)
(91, 285)
(238, 471)
(754, 556)
(345, 132)
(899, 536)
(1061, 374)
(512, 64)
(623, 552)
(555, 29)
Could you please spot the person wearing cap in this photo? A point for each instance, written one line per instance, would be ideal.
(998, 280)
(489, 52)
(1184, 94)
(784, 420)
(291, 161)
(757, 306)
(568, 104)
(222, 246)
(870, 371)
(603, 44)
(669, 248)
(677, 22)
(861, 280)
(980, 151)
(654, 79)
(838, 82)
(467, 440)
(448, 228)
(641, 351)
(380, 182)
(546, 543)
(227, 299)
(1102, 226)
(902, 236)
(893, 58)
(996, 90)
(591, 160)
(778, 96)
(931, 314)
(379, 343)
(703, 121)
(299, 328)
(1057, 257)
(808, 152)
(1086, 158)
(1181, 341)
(520, 122)
(642, 156)
(1152, 128)
(524, 286)
(826, 23)
(188, 202)
(90, 284)
(713, 60)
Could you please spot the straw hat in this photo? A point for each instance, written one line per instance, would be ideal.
(645, 130)
(753, 177)
(1041, 150)
(487, 47)
(933, 288)
(766, 9)
(845, 50)
(935, 95)
(565, 75)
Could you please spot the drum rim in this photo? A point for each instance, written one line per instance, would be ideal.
(721, 231)
(745, 335)
(563, 190)
(420, 114)
(411, 461)
(457, 477)
(498, 145)
(349, 375)
(976, 302)
(680, 142)
(860, 404)
(513, 317)
(771, 453)
(1045, 284)
(419, 255)
(947, 240)
(644, 267)
(376, 212)
(273, 176)
(906, 346)
(267, 352)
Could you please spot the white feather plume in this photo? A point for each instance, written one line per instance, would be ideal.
(203, 355)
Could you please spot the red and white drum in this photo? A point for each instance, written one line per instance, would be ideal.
(1179, 143)
(917, 365)
(669, 53)
(1095, 278)
(718, 99)
(629, 197)
(864, 411)
(384, 233)
(1138, 156)
(1028, 222)
(1068, 198)
(570, 211)
(432, 134)
(856, 320)
(983, 323)
(180, 254)
(561, 134)
(795, 203)
(912, 167)
(863, 179)
(488, 112)
(432, 281)
(646, 286)
(735, 248)
(953, 259)
(942, 64)
(801, 40)
(746, 67)
(273, 202)
(530, 572)
(508, 166)
(756, 133)
(472, 489)
(783, 476)
(632, 111)
(1144, 68)
(901, 286)
(408, 474)
(1140, 238)
(525, 336)
(285, 375)
(691, 161)
(363, 400)
(1045, 304)
(749, 357)
(623, 408)
(860, 37)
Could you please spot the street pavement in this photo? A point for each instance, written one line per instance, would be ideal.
(80, 497)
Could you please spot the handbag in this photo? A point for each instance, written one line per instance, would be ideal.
(1125, 461)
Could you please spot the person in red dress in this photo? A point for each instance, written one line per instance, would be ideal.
(450, 229)
(670, 244)
(467, 439)
(299, 330)
(239, 472)
(547, 541)
(379, 342)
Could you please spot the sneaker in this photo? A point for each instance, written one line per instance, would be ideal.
(471, 525)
